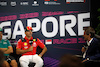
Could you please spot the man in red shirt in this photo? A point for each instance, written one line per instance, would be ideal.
(27, 47)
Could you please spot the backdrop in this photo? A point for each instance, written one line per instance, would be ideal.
(57, 23)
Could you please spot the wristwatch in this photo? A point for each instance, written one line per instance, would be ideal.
(87, 58)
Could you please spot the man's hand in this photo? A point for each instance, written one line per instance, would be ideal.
(84, 60)
(3, 49)
(40, 55)
(30, 49)
(83, 49)
(9, 50)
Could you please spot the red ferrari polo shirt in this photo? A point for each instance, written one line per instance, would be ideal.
(25, 45)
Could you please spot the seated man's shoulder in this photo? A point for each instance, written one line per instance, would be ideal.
(19, 40)
(96, 40)
(5, 40)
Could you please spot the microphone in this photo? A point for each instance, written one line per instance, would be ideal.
(31, 42)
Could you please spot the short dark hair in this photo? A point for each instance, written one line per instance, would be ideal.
(90, 30)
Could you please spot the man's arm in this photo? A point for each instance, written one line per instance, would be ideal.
(43, 51)
(3, 49)
(19, 51)
(91, 58)
(83, 49)
(9, 50)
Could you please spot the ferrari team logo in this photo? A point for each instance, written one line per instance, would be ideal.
(25, 43)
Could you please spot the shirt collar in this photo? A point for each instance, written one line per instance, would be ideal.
(28, 39)
(89, 42)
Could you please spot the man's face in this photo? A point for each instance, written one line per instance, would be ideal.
(85, 36)
(28, 33)
(1, 35)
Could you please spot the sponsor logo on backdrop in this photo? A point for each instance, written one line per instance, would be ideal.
(3, 3)
(35, 3)
(75, 1)
(63, 41)
(13, 3)
(51, 2)
(68, 41)
(24, 3)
